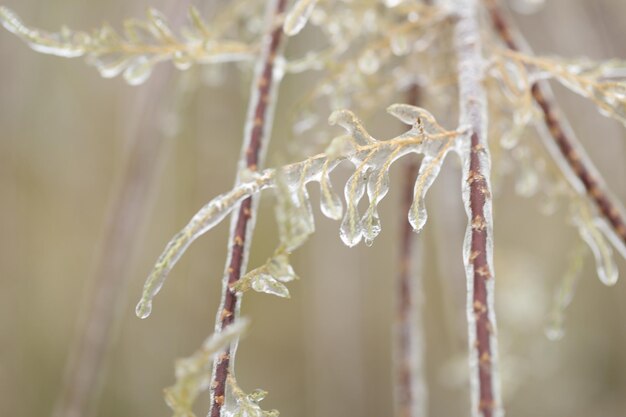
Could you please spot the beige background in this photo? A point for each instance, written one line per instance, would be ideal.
(65, 134)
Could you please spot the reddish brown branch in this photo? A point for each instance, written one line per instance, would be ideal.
(479, 191)
(566, 144)
(477, 196)
(256, 142)
(405, 302)
(404, 373)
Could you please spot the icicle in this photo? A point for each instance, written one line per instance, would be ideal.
(417, 117)
(110, 65)
(209, 216)
(606, 266)
(48, 43)
(351, 230)
(298, 16)
(564, 295)
(330, 202)
(377, 188)
(353, 125)
(428, 172)
(139, 70)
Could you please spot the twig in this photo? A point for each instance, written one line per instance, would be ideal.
(256, 137)
(558, 128)
(410, 395)
(478, 248)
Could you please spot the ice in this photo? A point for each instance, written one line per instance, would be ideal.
(298, 16)
(139, 70)
(606, 267)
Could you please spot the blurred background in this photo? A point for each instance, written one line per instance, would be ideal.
(91, 166)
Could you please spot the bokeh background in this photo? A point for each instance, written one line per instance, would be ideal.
(66, 139)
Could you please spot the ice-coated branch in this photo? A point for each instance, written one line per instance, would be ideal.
(366, 153)
(268, 75)
(563, 144)
(478, 245)
(143, 44)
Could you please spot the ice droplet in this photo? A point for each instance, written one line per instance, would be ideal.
(601, 249)
(267, 284)
(59, 44)
(139, 70)
(351, 230)
(369, 62)
(429, 169)
(182, 60)
(400, 45)
(110, 65)
(143, 309)
(555, 332)
(377, 188)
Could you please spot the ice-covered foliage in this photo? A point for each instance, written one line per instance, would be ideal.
(372, 160)
(141, 45)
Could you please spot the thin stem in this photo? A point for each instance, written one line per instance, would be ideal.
(478, 248)
(558, 128)
(410, 386)
(256, 138)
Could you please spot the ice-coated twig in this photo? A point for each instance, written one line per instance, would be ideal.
(268, 75)
(478, 245)
(563, 144)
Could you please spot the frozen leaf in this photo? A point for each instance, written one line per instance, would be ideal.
(353, 125)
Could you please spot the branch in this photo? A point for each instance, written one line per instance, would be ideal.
(256, 137)
(142, 45)
(478, 247)
(583, 173)
(426, 137)
(410, 384)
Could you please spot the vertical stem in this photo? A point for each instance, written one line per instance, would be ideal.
(256, 137)
(562, 136)
(106, 297)
(410, 386)
(478, 247)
